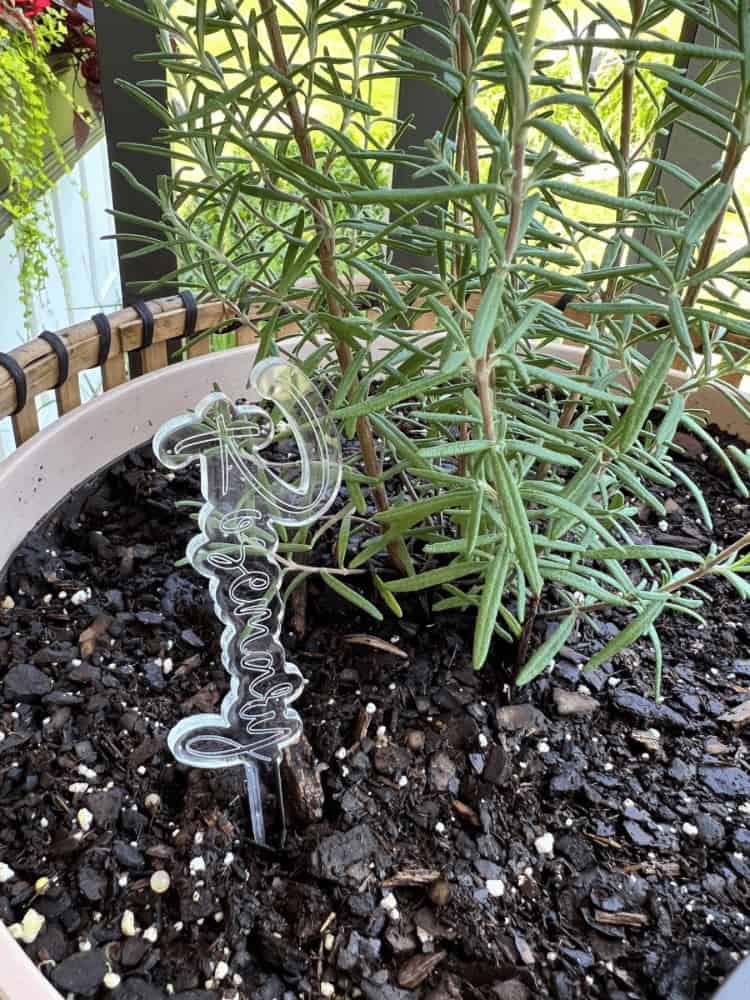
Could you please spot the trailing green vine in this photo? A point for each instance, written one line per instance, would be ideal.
(26, 137)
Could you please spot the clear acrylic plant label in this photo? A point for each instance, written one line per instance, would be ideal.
(246, 494)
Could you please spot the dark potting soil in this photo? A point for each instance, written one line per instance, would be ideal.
(572, 840)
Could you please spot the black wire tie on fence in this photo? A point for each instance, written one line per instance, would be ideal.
(18, 375)
(104, 330)
(147, 318)
(61, 353)
(191, 313)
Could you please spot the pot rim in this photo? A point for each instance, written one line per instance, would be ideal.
(37, 476)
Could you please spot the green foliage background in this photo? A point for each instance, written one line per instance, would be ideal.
(25, 138)
(519, 472)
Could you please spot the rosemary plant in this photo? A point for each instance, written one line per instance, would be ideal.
(516, 471)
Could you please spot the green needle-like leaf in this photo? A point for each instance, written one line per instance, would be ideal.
(542, 657)
(486, 316)
(639, 626)
(336, 584)
(489, 606)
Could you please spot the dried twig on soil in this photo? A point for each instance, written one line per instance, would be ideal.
(621, 919)
(411, 876)
(375, 643)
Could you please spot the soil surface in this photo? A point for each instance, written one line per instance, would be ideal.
(571, 840)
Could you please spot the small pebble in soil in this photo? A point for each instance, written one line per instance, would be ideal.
(6, 872)
(495, 887)
(327, 989)
(84, 818)
(197, 865)
(160, 882)
(111, 980)
(415, 740)
(128, 925)
(439, 892)
(545, 844)
(151, 934)
(389, 902)
(152, 802)
(689, 830)
(29, 928)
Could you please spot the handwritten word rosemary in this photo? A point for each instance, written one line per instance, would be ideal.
(246, 495)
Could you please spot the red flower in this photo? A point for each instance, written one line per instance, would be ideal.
(32, 8)
(79, 39)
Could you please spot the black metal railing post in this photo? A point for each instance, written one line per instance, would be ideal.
(119, 39)
(684, 147)
(681, 145)
(429, 108)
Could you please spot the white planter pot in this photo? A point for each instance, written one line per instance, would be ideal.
(40, 474)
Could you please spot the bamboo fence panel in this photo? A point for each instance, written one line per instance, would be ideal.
(83, 344)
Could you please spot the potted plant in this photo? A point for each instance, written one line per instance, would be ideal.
(508, 444)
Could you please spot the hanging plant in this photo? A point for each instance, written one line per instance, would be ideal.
(30, 32)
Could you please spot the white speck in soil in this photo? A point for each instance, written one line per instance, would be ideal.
(545, 844)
